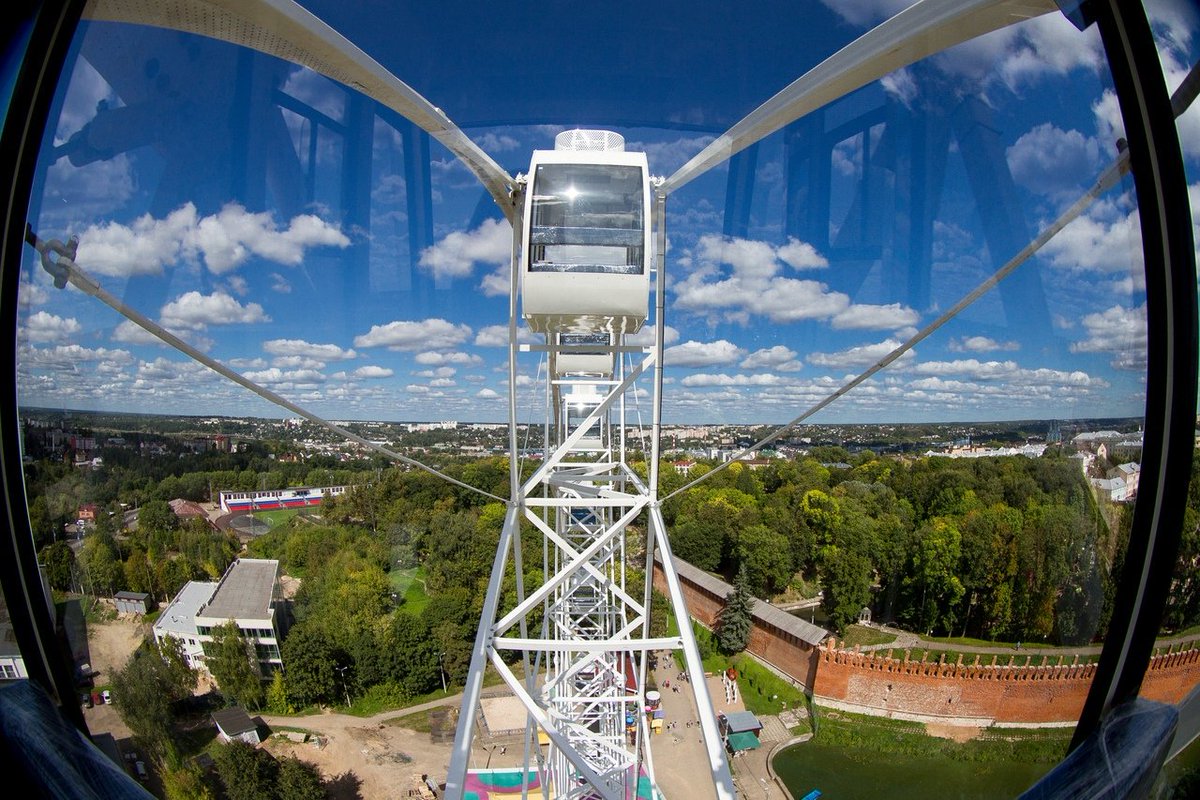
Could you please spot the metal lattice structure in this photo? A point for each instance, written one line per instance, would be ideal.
(583, 635)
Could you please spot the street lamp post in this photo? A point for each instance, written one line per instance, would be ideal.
(345, 686)
(442, 671)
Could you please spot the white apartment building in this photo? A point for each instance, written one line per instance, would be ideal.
(248, 593)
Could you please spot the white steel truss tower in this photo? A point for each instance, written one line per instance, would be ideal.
(582, 637)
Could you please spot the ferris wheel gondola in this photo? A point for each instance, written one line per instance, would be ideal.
(585, 267)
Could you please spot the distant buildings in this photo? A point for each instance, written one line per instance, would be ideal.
(248, 593)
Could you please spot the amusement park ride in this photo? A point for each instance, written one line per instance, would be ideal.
(588, 223)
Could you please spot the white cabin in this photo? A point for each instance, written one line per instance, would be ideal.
(586, 260)
(587, 354)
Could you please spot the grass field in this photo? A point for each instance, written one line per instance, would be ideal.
(276, 518)
(409, 584)
(862, 635)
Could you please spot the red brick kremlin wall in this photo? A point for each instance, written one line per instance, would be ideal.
(1022, 688)
(1001, 688)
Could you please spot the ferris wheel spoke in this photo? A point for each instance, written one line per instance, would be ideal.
(919, 31)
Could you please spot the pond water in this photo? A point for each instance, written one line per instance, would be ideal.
(843, 774)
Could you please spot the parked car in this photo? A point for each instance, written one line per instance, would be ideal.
(96, 698)
(140, 768)
(107, 695)
(85, 700)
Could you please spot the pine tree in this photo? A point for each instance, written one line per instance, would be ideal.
(734, 621)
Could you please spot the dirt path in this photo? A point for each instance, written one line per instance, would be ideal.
(110, 644)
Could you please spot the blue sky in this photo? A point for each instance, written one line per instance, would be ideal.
(192, 177)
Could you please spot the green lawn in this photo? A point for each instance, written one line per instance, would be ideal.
(409, 584)
(857, 635)
(276, 518)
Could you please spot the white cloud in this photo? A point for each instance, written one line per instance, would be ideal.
(498, 282)
(497, 336)
(645, 337)
(431, 358)
(275, 375)
(753, 286)
(299, 347)
(720, 379)
(1105, 240)
(1117, 330)
(487, 394)
(702, 354)
(223, 240)
(130, 332)
(778, 357)
(195, 311)
(860, 356)
(68, 355)
(238, 285)
(1050, 160)
(440, 372)
(297, 362)
(497, 142)
(280, 284)
(435, 334)
(44, 327)
(980, 344)
(455, 256)
(30, 294)
(872, 317)
(900, 85)
(1010, 372)
(372, 371)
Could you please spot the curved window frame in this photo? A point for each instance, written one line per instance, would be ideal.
(38, 45)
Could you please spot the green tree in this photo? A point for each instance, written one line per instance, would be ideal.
(59, 560)
(766, 557)
(145, 690)
(184, 783)
(299, 781)
(277, 698)
(734, 621)
(231, 660)
(845, 584)
(309, 661)
(246, 772)
(156, 515)
(936, 586)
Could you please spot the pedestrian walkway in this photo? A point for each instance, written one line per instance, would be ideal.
(773, 730)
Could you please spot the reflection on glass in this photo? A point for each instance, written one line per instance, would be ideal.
(971, 502)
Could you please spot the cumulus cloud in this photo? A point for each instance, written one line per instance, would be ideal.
(434, 334)
(980, 344)
(223, 241)
(702, 354)
(195, 311)
(1117, 330)
(129, 332)
(371, 371)
(487, 394)
(44, 327)
(1050, 160)
(456, 255)
(299, 347)
(860, 356)
(30, 294)
(1105, 240)
(275, 375)
(280, 284)
(1010, 372)
(721, 379)
(431, 358)
(778, 358)
(752, 285)
(497, 336)
(645, 337)
(873, 317)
